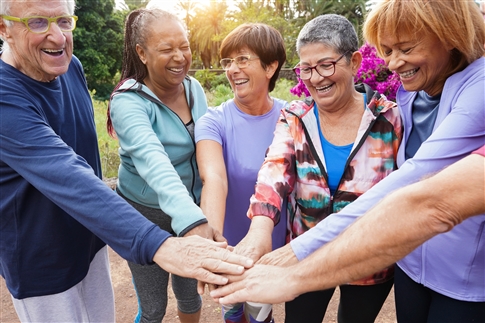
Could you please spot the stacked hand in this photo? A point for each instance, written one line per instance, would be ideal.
(257, 284)
(261, 283)
(199, 258)
(213, 262)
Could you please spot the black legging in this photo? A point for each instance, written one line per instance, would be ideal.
(416, 303)
(357, 304)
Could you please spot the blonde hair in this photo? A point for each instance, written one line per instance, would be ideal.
(456, 23)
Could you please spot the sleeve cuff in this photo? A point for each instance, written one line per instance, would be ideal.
(190, 227)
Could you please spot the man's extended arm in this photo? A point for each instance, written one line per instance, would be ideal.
(389, 231)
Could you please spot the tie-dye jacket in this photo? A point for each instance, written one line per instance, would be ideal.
(294, 167)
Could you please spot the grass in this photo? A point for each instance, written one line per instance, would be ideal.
(108, 146)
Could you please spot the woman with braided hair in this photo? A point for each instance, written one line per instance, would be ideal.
(152, 112)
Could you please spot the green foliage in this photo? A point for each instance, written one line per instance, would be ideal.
(204, 31)
(210, 24)
(108, 147)
(218, 95)
(205, 77)
(219, 79)
(135, 4)
(210, 79)
(354, 11)
(282, 90)
(98, 43)
(255, 12)
(223, 92)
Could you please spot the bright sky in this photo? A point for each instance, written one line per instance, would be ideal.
(169, 5)
(172, 3)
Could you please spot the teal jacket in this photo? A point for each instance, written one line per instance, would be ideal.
(158, 167)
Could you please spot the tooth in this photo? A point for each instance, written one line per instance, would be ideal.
(408, 73)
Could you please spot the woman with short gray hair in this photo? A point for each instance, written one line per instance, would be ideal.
(327, 151)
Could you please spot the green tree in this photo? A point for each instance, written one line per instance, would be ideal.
(98, 43)
(353, 10)
(204, 32)
(187, 11)
(187, 7)
(135, 4)
(252, 11)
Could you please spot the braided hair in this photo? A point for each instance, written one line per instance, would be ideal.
(137, 27)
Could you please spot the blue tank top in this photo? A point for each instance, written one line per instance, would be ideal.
(425, 110)
(335, 158)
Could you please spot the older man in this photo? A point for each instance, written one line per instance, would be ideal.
(56, 213)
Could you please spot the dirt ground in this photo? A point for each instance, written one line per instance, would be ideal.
(126, 304)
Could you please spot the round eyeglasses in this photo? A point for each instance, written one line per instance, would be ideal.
(41, 24)
(241, 61)
(324, 69)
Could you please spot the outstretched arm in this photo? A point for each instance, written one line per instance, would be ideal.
(403, 221)
(212, 169)
(388, 232)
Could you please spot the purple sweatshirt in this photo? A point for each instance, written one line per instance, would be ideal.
(244, 139)
(452, 263)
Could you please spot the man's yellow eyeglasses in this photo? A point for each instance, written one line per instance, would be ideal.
(40, 24)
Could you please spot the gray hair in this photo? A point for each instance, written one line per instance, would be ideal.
(5, 10)
(332, 30)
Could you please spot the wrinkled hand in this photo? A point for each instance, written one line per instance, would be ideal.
(253, 246)
(282, 257)
(200, 258)
(262, 284)
(201, 285)
(257, 241)
(206, 231)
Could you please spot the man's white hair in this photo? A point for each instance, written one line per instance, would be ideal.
(5, 5)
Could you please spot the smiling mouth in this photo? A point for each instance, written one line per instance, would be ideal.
(409, 74)
(176, 70)
(325, 88)
(240, 82)
(53, 52)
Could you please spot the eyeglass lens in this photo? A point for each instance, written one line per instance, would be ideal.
(241, 62)
(40, 24)
(324, 69)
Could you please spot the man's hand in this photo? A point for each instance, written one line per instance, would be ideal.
(262, 284)
(200, 258)
(206, 231)
(282, 257)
